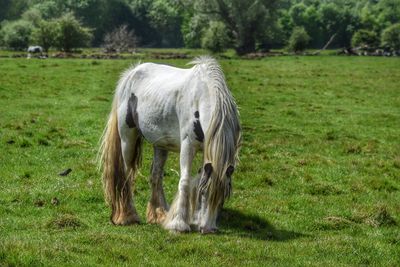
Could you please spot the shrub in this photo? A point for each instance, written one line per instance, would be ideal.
(298, 40)
(71, 34)
(391, 37)
(215, 37)
(45, 34)
(120, 40)
(16, 34)
(365, 38)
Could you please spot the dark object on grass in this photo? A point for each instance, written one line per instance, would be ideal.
(55, 201)
(66, 172)
(39, 203)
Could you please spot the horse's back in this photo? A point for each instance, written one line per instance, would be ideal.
(156, 90)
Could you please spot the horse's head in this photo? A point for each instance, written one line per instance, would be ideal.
(214, 187)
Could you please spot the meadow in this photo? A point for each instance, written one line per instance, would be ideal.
(318, 182)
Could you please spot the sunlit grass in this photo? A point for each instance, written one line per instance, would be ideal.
(318, 181)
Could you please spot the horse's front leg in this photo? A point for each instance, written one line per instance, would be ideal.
(178, 215)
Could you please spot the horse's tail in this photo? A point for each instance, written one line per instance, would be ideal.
(111, 157)
(116, 180)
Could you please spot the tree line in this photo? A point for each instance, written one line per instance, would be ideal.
(246, 26)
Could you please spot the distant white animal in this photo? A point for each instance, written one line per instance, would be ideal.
(182, 110)
(34, 50)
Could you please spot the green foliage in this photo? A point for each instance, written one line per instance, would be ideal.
(51, 9)
(162, 14)
(71, 34)
(391, 37)
(365, 38)
(313, 26)
(330, 17)
(12, 9)
(297, 13)
(388, 12)
(368, 18)
(286, 25)
(251, 25)
(45, 34)
(193, 30)
(162, 18)
(215, 37)
(32, 15)
(298, 40)
(165, 18)
(256, 17)
(324, 19)
(16, 34)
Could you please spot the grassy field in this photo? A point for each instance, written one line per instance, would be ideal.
(318, 182)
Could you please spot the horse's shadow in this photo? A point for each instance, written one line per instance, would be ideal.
(252, 226)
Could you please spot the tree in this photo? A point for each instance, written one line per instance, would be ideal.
(286, 24)
(391, 37)
(297, 13)
(71, 34)
(16, 34)
(368, 18)
(45, 34)
(215, 38)
(160, 21)
(298, 40)
(388, 12)
(32, 15)
(246, 21)
(164, 17)
(339, 19)
(313, 26)
(12, 9)
(330, 19)
(309, 18)
(193, 29)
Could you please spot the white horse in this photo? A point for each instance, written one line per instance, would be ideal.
(181, 110)
(35, 50)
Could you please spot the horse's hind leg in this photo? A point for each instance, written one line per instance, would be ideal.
(124, 211)
(157, 206)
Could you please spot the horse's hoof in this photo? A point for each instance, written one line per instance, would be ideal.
(155, 215)
(177, 225)
(124, 219)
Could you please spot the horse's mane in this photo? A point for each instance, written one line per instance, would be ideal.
(222, 138)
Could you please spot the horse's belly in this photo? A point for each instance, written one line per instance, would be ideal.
(161, 130)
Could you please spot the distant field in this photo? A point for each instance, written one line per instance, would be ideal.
(318, 182)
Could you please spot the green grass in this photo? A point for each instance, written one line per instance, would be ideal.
(318, 182)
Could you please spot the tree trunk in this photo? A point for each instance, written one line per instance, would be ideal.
(246, 43)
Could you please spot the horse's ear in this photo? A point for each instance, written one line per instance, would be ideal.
(208, 169)
(230, 170)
